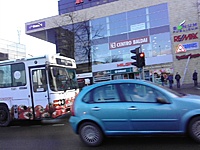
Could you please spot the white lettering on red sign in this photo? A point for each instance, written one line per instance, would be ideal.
(126, 43)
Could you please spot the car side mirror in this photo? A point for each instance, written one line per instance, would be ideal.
(162, 100)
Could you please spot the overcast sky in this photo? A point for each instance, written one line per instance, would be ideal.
(15, 13)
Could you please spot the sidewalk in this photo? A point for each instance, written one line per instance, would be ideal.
(188, 88)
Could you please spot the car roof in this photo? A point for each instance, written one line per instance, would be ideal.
(119, 81)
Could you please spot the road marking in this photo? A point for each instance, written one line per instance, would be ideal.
(54, 125)
(15, 126)
(35, 126)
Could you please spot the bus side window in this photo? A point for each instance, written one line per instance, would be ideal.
(39, 80)
(18, 74)
(1, 78)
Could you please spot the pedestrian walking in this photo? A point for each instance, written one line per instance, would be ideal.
(178, 77)
(162, 79)
(171, 80)
(195, 78)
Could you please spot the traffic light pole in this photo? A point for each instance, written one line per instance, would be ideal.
(141, 73)
(143, 77)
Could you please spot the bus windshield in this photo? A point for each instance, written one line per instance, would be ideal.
(62, 79)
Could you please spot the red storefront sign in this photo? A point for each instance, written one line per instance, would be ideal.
(124, 64)
(185, 37)
(131, 42)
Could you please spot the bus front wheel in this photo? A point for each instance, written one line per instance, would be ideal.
(4, 116)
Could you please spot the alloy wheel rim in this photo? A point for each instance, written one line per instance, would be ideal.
(196, 129)
(90, 134)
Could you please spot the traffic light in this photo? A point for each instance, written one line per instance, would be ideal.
(141, 60)
(139, 57)
(136, 56)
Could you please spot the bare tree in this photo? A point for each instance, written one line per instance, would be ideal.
(75, 39)
(114, 58)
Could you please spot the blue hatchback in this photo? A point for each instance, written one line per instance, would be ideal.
(128, 107)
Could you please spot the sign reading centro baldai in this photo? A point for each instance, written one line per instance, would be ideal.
(130, 42)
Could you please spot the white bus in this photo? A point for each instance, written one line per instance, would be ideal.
(36, 88)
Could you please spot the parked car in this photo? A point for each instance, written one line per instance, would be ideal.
(130, 107)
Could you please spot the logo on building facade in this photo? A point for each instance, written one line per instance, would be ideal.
(80, 1)
(183, 27)
(180, 26)
(185, 37)
(191, 46)
(131, 42)
(180, 49)
(35, 26)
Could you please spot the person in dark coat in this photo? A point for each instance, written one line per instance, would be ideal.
(162, 79)
(178, 77)
(195, 78)
(171, 81)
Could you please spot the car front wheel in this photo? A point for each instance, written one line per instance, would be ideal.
(194, 129)
(90, 134)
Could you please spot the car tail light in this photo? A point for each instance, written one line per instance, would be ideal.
(72, 108)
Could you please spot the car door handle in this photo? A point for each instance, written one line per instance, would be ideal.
(96, 108)
(132, 108)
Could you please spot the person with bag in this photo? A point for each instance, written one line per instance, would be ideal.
(178, 77)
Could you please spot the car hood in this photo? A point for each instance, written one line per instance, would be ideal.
(191, 96)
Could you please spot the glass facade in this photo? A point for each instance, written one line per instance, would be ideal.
(150, 22)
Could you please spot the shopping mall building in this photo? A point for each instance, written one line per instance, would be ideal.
(166, 30)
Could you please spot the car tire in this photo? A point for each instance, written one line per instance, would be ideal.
(194, 129)
(90, 134)
(4, 116)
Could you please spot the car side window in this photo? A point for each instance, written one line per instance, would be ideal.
(138, 93)
(86, 98)
(161, 95)
(106, 93)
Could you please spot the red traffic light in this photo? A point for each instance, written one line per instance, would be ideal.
(142, 55)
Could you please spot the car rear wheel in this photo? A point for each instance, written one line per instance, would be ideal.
(90, 134)
(4, 116)
(194, 129)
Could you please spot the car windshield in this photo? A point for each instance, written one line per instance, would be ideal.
(62, 79)
(168, 89)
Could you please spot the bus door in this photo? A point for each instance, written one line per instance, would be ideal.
(40, 98)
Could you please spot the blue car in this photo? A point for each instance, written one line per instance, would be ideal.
(132, 107)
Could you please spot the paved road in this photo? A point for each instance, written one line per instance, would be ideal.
(59, 136)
